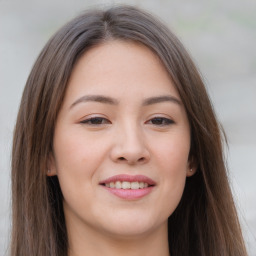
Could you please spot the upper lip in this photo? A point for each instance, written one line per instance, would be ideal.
(130, 178)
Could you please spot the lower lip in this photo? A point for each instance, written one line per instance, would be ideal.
(130, 194)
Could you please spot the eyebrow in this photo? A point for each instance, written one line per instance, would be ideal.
(111, 101)
(159, 99)
(95, 98)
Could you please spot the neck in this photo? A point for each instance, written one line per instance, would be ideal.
(98, 244)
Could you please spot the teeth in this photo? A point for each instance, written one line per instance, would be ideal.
(135, 185)
(118, 185)
(143, 185)
(127, 185)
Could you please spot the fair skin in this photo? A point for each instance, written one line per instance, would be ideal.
(123, 116)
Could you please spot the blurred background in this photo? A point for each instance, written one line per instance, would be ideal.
(221, 37)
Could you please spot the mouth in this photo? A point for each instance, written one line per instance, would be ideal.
(128, 186)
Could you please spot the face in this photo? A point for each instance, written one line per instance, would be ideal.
(121, 143)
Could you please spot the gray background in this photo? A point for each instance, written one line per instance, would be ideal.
(220, 35)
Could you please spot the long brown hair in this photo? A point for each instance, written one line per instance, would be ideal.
(204, 223)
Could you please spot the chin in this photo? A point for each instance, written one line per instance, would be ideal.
(129, 232)
(132, 227)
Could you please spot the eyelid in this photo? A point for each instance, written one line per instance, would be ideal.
(167, 120)
(86, 120)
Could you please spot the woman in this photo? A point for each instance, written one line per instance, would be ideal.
(117, 150)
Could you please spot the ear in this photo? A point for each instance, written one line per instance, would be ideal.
(192, 166)
(51, 166)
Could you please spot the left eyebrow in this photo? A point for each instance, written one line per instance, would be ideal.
(159, 99)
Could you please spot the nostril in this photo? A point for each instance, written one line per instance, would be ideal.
(141, 159)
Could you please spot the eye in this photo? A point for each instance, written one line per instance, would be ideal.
(161, 121)
(95, 121)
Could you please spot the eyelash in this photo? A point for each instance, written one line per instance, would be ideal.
(158, 121)
(163, 121)
(95, 121)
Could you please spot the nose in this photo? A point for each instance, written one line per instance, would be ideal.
(130, 146)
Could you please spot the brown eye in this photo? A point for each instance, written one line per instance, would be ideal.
(95, 121)
(161, 121)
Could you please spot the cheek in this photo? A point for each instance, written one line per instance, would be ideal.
(76, 152)
(172, 162)
(78, 156)
(172, 152)
(71, 162)
(75, 164)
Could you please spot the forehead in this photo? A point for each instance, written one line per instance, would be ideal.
(120, 67)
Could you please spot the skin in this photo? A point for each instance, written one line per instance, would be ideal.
(128, 137)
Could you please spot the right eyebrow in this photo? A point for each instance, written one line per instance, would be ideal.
(95, 98)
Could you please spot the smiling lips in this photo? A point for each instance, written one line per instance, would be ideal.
(128, 186)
